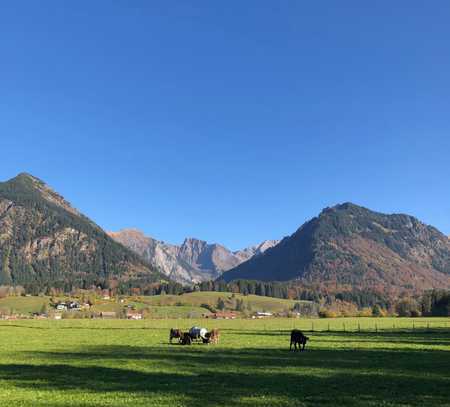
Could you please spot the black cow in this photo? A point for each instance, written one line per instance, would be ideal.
(186, 339)
(175, 333)
(297, 338)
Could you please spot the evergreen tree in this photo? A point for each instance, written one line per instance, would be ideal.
(220, 304)
(5, 273)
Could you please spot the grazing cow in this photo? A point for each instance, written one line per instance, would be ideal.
(186, 339)
(175, 333)
(198, 333)
(213, 336)
(297, 338)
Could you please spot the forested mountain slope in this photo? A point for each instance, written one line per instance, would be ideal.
(45, 242)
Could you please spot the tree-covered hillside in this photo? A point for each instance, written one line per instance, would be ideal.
(45, 242)
(348, 245)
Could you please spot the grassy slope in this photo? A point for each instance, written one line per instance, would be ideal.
(23, 305)
(129, 363)
(257, 303)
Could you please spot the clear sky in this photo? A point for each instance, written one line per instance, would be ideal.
(230, 121)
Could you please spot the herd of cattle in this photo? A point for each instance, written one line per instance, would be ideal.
(298, 339)
(195, 334)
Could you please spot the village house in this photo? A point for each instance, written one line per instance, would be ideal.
(74, 306)
(134, 315)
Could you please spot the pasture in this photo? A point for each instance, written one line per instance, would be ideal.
(129, 363)
(186, 305)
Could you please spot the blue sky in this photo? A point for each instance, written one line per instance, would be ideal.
(230, 121)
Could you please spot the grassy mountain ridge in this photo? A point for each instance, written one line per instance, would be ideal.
(44, 241)
(351, 245)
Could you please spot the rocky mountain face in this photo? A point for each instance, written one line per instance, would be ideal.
(191, 262)
(349, 245)
(45, 242)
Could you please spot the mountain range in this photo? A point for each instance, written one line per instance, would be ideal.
(191, 262)
(46, 243)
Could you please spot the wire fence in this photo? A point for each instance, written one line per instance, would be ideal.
(374, 327)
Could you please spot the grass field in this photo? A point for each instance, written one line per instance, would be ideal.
(22, 305)
(130, 363)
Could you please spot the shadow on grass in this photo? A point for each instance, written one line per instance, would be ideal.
(224, 387)
(214, 376)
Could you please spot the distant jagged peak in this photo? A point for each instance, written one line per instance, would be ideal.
(134, 239)
(191, 241)
(256, 250)
(193, 261)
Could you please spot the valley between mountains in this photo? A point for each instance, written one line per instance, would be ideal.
(45, 242)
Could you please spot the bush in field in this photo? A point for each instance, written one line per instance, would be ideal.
(377, 311)
(327, 313)
(208, 307)
(365, 312)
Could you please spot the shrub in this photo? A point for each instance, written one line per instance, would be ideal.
(208, 307)
(326, 313)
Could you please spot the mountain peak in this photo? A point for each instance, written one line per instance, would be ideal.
(348, 205)
(345, 206)
(25, 177)
(352, 245)
(25, 187)
(192, 241)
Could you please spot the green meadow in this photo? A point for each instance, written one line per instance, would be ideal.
(374, 362)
